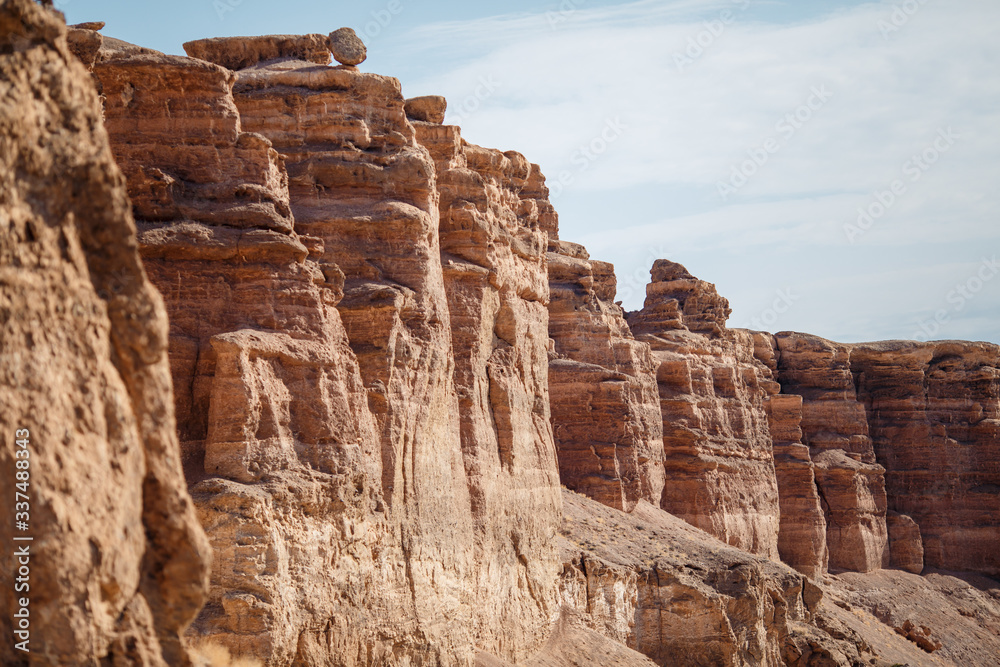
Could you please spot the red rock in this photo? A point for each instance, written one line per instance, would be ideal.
(935, 419)
(835, 427)
(241, 52)
(429, 108)
(677, 300)
(802, 531)
(605, 406)
(268, 390)
(116, 565)
(853, 494)
(493, 257)
(462, 407)
(718, 450)
(906, 549)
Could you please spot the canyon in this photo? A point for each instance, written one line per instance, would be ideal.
(313, 380)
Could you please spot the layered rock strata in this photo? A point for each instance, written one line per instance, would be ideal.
(384, 360)
(717, 444)
(934, 413)
(474, 508)
(273, 408)
(605, 403)
(111, 563)
(802, 530)
(835, 428)
(494, 271)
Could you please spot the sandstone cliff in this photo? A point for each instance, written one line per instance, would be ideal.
(718, 449)
(384, 363)
(850, 483)
(934, 413)
(118, 563)
(605, 404)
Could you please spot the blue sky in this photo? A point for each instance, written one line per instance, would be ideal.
(831, 166)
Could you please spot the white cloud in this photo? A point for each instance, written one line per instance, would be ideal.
(558, 85)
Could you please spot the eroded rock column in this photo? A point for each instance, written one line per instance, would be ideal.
(718, 457)
(934, 411)
(835, 428)
(605, 404)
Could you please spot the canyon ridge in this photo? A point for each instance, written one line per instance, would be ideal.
(306, 378)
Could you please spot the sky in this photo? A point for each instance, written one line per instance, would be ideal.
(833, 167)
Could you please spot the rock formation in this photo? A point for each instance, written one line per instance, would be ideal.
(718, 450)
(116, 565)
(605, 405)
(906, 548)
(802, 531)
(934, 412)
(384, 361)
(834, 426)
(493, 258)
(347, 47)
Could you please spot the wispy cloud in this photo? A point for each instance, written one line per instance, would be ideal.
(892, 91)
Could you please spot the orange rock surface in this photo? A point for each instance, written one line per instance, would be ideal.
(115, 566)
(718, 454)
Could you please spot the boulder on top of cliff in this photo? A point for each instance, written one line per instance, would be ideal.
(675, 299)
(237, 53)
(429, 108)
(347, 47)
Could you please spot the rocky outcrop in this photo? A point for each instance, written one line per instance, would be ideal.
(494, 269)
(115, 565)
(605, 405)
(906, 548)
(853, 495)
(239, 52)
(682, 597)
(802, 531)
(717, 445)
(271, 403)
(835, 428)
(384, 361)
(934, 411)
(443, 519)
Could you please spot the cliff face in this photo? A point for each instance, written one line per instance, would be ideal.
(116, 564)
(384, 364)
(716, 440)
(933, 410)
(605, 405)
(850, 483)
(492, 212)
